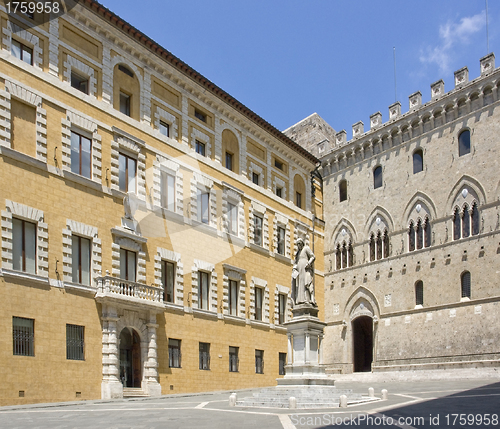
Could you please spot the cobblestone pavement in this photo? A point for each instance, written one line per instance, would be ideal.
(472, 403)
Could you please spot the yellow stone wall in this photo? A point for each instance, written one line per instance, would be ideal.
(43, 185)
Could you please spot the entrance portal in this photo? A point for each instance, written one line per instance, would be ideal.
(130, 358)
(362, 334)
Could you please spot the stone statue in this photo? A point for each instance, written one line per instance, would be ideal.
(303, 275)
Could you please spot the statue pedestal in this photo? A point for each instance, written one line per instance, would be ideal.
(305, 360)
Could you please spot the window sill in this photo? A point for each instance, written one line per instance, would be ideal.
(204, 227)
(234, 240)
(283, 258)
(80, 287)
(22, 157)
(236, 320)
(260, 324)
(205, 314)
(82, 180)
(258, 248)
(24, 276)
(173, 308)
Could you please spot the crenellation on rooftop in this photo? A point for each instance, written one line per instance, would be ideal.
(451, 104)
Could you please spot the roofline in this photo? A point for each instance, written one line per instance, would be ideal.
(194, 75)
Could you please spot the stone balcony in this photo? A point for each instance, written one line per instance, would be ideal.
(118, 291)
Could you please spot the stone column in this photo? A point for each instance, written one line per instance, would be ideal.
(151, 366)
(111, 387)
(290, 350)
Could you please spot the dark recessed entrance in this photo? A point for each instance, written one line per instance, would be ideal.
(362, 334)
(130, 358)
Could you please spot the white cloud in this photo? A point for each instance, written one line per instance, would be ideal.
(452, 34)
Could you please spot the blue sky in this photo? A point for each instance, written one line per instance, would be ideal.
(288, 59)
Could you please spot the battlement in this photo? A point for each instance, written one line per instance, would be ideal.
(465, 97)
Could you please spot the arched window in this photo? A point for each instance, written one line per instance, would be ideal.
(379, 246)
(475, 219)
(343, 190)
(418, 161)
(411, 237)
(464, 143)
(377, 177)
(427, 233)
(344, 256)
(420, 235)
(386, 244)
(372, 247)
(466, 286)
(419, 293)
(465, 222)
(456, 225)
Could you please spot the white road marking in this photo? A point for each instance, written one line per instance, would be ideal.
(286, 422)
(202, 404)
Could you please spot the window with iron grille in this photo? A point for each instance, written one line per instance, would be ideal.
(23, 336)
(466, 284)
(259, 361)
(419, 293)
(282, 363)
(75, 343)
(174, 353)
(168, 280)
(205, 356)
(233, 359)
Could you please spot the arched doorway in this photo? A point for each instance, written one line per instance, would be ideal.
(130, 358)
(362, 341)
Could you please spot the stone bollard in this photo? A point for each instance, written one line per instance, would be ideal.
(292, 403)
(384, 394)
(232, 399)
(343, 401)
(371, 392)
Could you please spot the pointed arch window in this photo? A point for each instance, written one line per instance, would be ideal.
(465, 222)
(456, 225)
(428, 232)
(344, 255)
(420, 235)
(377, 177)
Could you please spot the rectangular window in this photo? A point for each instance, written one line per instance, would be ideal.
(200, 147)
(281, 240)
(200, 115)
(279, 192)
(281, 308)
(282, 363)
(81, 260)
(22, 52)
(23, 336)
(24, 245)
(259, 361)
(168, 280)
(232, 218)
(128, 264)
(278, 164)
(174, 353)
(257, 230)
(233, 359)
(127, 173)
(259, 294)
(81, 157)
(203, 283)
(229, 161)
(233, 297)
(125, 103)
(255, 178)
(79, 82)
(165, 129)
(205, 356)
(168, 191)
(298, 199)
(75, 343)
(203, 198)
